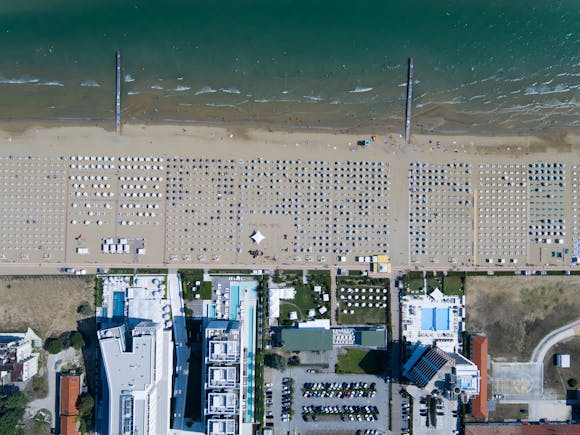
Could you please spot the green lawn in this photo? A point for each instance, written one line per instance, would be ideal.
(188, 279)
(355, 278)
(304, 300)
(371, 362)
(453, 285)
(364, 316)
(205, 290)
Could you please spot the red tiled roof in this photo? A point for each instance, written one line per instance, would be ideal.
(68, 425)
(479, 357)
(530, 429)
(70, 389)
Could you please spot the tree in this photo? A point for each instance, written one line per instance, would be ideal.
(54, 346)
(572, 382)
(76, 340)
(294, 360)
(12, 405)
(85, 404)
(275, 361)
(84, 309)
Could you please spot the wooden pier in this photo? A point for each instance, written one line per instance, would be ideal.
(409, 102)
(118, 94)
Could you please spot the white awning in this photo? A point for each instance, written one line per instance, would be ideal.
(257, 237)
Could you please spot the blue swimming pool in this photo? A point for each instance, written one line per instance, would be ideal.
(442, 319)
(250, 383)
(211, 309)
(118, 304)
(435, 319)
(234, 301)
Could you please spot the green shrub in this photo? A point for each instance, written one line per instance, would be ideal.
(275, 361)
(54, 347)
(76, 340)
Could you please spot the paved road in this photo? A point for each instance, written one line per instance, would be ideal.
(181, 347)
(566, 331)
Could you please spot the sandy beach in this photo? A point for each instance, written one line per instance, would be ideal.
(195, 194)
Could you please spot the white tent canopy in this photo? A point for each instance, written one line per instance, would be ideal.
(257, 237)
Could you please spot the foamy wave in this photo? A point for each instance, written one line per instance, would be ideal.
(129, 78)
(230, 90)
(205, 90)
(50, 83)
(133, 93)
(456, 100)
(158, 87)
(220, 105)
(21, 81)
(313, 98)
(359, 90)
(262, 100)
(90, 84)
(543, 90)
(181, 88)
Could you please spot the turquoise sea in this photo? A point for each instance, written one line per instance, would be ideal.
(479, 65)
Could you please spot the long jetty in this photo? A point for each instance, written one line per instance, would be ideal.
(118, 94)
(409, 101)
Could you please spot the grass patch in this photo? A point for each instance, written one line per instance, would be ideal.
(259, 388)
(205, 290)
(152, 271)
(372, 362)
(453, 285)
(188, 279)
(306, 298)
(364, 316)
(362, 280)
(99, 292)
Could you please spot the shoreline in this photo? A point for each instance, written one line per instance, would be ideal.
(548, 135)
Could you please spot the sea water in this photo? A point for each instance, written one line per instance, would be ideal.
(479, 65)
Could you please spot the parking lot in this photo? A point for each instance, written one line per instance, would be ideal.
(331, 422)
(442, 418)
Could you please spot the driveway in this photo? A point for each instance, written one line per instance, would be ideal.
(566, 331)
(53, 365)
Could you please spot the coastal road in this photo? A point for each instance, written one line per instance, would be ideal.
(182, 350)
(566, 331)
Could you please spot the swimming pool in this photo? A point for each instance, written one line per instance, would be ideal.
(250, 382)
(234, 301)
(212, 310)
(435, 319)
(118, 304)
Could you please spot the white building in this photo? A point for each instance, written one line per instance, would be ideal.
(563, 361)
(18, 361)
(139, 369)
(223, 387)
